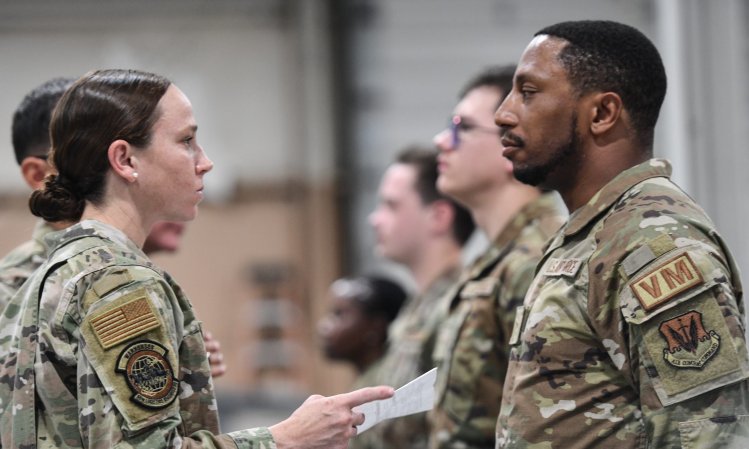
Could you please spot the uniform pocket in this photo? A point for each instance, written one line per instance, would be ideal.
(724, 432)
(472, 359)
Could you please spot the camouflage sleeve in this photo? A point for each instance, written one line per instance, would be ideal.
(6, 292)
(686, 344)
(144, 379)
(258, 438)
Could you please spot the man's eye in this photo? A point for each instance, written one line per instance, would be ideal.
(527, 92)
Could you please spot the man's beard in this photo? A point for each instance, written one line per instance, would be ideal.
(537, 175)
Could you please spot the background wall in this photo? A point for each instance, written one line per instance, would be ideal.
(303, 103)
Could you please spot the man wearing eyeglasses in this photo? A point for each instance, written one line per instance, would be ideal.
(472, 347)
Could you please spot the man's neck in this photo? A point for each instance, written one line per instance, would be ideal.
(435, 260)
(368, 358)
(494, 209)
(601, 166)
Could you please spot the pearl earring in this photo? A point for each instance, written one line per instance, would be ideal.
(135, 176)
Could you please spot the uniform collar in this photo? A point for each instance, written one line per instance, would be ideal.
(92, 228)
(41, 229)
(544, 205)
(611, 192)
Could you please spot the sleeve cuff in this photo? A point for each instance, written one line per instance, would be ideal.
(257, 438)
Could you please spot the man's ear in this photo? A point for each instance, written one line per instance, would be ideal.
(34, 170)
(606, 110)
(122, 160)
(442, 216)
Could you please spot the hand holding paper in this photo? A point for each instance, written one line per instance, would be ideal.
(414, 397)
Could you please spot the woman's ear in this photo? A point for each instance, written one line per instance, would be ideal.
(606, 111)
(122, 160)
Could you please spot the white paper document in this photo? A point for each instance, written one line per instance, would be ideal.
(414, 397)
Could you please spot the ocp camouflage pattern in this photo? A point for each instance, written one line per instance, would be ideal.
(410, 346)
(21, 262)
(632, 334)
(52, 351)
(472, 345)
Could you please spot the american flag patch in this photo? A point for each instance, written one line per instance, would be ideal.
(122, 323)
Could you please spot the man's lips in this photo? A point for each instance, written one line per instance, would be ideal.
(510, 143)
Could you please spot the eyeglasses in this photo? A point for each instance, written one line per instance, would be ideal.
(457, 126)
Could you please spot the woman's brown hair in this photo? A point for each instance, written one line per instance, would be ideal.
(99, 108)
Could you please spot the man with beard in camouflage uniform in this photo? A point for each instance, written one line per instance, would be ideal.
(632, 333)
(472, 346)
(425, 231)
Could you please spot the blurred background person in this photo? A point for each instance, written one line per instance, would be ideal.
(30, 136)
(166, 237)
(355, 329)
(473, 343)
(425, 231)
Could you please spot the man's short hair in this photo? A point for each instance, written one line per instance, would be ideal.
(424, 160)
(612, 57)
(498, 77)
(30, 129)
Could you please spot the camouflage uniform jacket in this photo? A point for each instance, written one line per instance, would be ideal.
(632, 333)
(411, 343)
(472, 348)
(369, 378)
(19, 264)
(105, 351)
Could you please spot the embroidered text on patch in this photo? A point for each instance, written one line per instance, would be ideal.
(148, 373)
(562, 267)
(666, 281)
(689, 344)
(124, 322)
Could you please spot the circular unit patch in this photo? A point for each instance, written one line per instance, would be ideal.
(148, 373)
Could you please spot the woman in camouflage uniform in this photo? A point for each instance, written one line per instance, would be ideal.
(101, 348)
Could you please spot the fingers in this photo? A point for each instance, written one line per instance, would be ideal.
(215, 358)
(218, 369)
(364, 395)
(212, 345)
(357, 418)
(314, 397)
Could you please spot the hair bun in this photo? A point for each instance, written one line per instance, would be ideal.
(57, 201)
